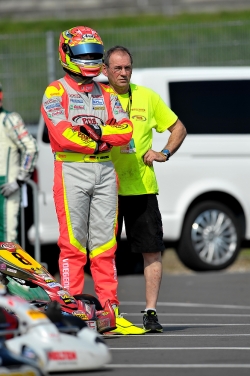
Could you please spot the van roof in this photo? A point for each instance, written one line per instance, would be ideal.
(192, 73)
(158, 79)
(187, 73)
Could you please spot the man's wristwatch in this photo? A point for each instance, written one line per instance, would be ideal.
(166, 153)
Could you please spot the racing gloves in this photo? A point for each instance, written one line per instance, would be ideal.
(92, 130)
(103, 146)
(8, 188)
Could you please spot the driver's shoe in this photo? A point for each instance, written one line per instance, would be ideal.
(124, 326)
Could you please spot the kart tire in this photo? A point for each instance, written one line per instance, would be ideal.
(89, 299)
(54, 313)
(211, 237)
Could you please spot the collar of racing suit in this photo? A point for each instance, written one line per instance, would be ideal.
(79, 83)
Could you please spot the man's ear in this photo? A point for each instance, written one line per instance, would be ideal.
(104, 70)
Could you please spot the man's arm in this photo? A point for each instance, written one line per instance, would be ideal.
(178, 134)
(26, 145)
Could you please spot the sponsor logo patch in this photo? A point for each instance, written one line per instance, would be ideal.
(8, 245)
(76, 100)
(53, 91)
(80, 314)
(11, 270)
(74, 96)
(62, 355)
(138, 109)
(139, 118)
(55, 105)
(76, 107)
(97, 102)
(87, 119)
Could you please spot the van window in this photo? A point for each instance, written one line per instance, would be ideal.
(212, 107)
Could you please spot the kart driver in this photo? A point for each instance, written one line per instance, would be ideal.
(18, 156)
(84, 121)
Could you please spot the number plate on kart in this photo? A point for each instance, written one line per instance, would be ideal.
(91, 324)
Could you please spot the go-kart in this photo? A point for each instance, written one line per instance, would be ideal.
(12, 364)
(36, 338)
(16, 365)
(25, 277)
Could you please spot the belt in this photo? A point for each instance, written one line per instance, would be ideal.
(78, 157)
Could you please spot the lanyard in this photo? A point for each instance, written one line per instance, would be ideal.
(129, 106)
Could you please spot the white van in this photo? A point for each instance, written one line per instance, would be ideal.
(204, 193)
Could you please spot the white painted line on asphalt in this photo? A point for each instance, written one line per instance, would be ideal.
(196, 335)
(176, 335)
(194, 314)
(172, 304)
(213, 323)
(177, 365)
(197, 324)
(179, 348)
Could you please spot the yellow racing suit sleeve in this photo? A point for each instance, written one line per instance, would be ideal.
(118, 134)
(121, 132)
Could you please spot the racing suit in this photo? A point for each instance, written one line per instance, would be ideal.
(85, 181)
(18, 155)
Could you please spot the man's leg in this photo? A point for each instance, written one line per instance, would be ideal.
(72, 184)
(153, 275)
(102, 233)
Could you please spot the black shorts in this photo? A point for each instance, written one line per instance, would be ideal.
(143, 223)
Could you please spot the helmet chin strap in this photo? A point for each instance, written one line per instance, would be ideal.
(78, 77)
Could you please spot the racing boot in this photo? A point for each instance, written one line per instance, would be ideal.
(106, 320)
(125, 327)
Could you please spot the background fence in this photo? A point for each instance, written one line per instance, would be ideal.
(65, 9)
(28, 62)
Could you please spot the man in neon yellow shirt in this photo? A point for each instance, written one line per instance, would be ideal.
(138, 187)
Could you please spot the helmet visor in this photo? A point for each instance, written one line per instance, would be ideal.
(87, 48)
(87, 63)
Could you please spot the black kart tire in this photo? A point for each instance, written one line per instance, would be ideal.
(54, 313)
(89, 299)
(211, 237)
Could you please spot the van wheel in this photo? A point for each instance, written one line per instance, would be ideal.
(211, 237)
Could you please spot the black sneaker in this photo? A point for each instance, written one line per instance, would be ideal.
(150, 322)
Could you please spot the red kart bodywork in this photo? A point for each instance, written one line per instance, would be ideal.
(20, 272)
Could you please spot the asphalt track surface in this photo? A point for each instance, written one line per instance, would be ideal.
(206, 321)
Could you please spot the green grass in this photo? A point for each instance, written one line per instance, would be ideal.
(245, 253)
(215, 39)
(11, 26)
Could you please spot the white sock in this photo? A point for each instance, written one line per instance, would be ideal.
(152, 309)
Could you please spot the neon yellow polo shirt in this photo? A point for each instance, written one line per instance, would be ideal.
(147, 111)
